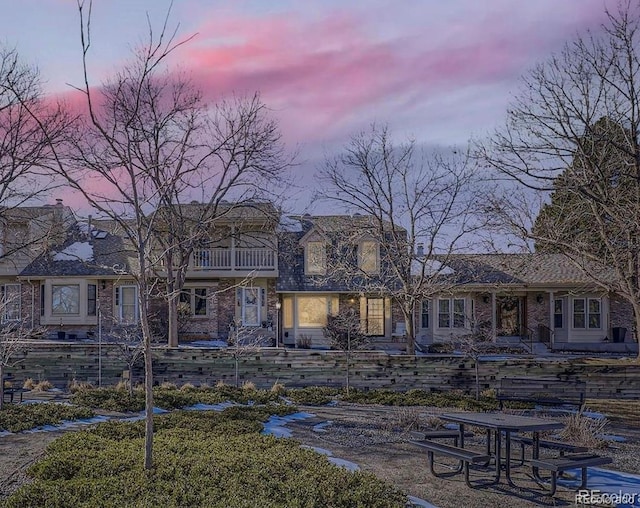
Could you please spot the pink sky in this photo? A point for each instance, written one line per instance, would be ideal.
(441, 72)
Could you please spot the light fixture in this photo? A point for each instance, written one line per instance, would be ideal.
(485, 298)
(103, 284)
(278, 305)
(539, 298)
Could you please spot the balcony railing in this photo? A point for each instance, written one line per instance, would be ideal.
(236, 259)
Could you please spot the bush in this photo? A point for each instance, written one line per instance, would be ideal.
(42, 386)
(582, 430)
(28, 384)
(201, 459)
(16, 418)
(76, 386)
(313, 395)
(416, 397)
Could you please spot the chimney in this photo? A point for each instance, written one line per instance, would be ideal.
(59, 202)
(420, 250)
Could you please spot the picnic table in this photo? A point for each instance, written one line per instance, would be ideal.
(512, 427)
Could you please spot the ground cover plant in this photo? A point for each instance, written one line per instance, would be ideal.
(202, 458)
(452, 399)
(19, 417)
(169, 397)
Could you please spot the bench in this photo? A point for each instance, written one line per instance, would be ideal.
(550, 445)
(439, 434)
(464, 455)
(559, 464)
(9, 392)
(544, 392)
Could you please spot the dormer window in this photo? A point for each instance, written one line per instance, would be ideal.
(315, 258)
(369, 257)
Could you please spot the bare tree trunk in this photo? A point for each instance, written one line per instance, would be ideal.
(348, 372)
(173, 320)
(1, 386)
(477, 378)
(410, 330)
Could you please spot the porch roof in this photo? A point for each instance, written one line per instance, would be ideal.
(535, 269)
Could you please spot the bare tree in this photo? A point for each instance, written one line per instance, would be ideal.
(30, 130)
(130, 347)
(149, 144)
(243, 341)
(572, 136)
(418, 207)
(344, 331)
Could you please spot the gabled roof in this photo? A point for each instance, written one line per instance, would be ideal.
(329, 225)
(97, 254)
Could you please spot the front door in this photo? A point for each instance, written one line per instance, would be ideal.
(510, 316)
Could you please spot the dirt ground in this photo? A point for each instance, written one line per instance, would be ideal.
(363, 435)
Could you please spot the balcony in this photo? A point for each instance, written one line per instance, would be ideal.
(235, 260)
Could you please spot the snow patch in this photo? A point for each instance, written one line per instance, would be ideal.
(78, 251)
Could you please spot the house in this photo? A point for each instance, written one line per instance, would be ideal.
(526, 299)
(85, 284)
(328, 263)
(25, 233)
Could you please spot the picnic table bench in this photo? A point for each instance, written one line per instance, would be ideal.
(544, 392)
(464, 455)
(439, 434)
(10, 392)
(559, 464)
(550, 445)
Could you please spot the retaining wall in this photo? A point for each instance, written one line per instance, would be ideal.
(296, 368)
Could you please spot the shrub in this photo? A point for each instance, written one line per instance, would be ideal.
(585, 431)
(313, 395)
(16, 418)
(187, 387)
(441, 348)
(109, 399)
(200, 459)
(168, 386)
(303, 341)
(28, 384)
(43, 386)
(248, 386)
(278, 388)
(76, 386)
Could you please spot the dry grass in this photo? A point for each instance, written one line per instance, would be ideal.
(76, 386)
(582, 430)
(187, 387)
(221, 384)
(278, 388)
(28, 384)
(42, 386)
(249, 386)
(168, 386)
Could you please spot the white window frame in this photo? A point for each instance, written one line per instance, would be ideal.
(379, 318)
(11, 313)
(453, 317)
(315, 261)
(119, 299)
(425, 311)
(586, 302)
(243, 305)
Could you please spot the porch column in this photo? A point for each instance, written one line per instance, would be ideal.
(493, 316)
(233, 247)
(552, 319)
(294, 306)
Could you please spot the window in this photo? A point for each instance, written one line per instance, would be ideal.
(312, 311)
(127, 304)
(587, 313)
(594, 313)
(451, 313)
(250, 307)
(92, 292)
(194, 301)
(368, 257)
(10, 302)
(424, 314)
(65, 299)
(316, 258)
(558, 317)
(375, 316)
